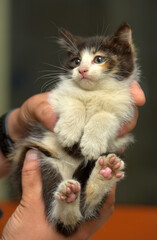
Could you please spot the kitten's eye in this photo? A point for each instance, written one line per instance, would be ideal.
(99, 59)
(76, 62)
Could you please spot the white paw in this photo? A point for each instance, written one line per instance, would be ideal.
(92, 148)
(110, 167)
(68, 191)
(67, 133)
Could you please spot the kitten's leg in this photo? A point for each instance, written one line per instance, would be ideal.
(51, 177)
(62, 199)
(67, 206)
(100, 128)
(107, 171)
(71, 122)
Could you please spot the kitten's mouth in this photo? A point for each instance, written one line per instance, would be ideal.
(85, 83)
(85, 79)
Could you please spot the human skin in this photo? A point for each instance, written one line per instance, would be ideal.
(29, 220)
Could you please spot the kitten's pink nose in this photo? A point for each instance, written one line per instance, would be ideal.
(82, 71)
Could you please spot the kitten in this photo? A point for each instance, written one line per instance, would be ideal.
(92, 101)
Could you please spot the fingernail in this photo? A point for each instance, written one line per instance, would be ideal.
(32, 155)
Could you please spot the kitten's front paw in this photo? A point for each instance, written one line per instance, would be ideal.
(110, 167)
(67, 134)
(92, 149)
(68, 191)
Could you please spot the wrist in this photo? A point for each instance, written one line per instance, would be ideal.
(6, 143)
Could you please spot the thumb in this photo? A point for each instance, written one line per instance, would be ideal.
(138, 94)
(31, 176)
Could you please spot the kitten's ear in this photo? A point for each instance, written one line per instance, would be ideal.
(67, 40)
(124, 33)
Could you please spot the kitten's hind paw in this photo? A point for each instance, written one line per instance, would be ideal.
(68, 191)
(110, 167)
(66, 208)
(107, 171)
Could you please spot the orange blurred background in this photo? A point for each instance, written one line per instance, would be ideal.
(127, 222)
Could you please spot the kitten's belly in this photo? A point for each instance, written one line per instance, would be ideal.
(64, 162)
(118, 104)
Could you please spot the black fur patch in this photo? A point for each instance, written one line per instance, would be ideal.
(83, 172)
(66, 230)
(17, 178)
(74, 151)
(50, 179)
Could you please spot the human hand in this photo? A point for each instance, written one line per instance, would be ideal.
(139, 100)
(35, 109)
(29, 220)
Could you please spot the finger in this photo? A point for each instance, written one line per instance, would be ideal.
(137, 94)
(34, 109)
(31, 177)
(38, 109)
(129, 126)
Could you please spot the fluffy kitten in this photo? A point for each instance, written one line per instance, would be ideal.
(92, 101)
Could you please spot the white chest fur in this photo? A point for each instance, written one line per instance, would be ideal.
(94, 117)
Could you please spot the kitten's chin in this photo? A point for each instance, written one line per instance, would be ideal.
(85, 84)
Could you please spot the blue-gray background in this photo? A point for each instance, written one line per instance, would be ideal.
(32, 45)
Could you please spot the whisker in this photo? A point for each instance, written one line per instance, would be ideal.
(50, 83)
(44, 76)
(71, 42)
(50, 72)
(55, 66)
(103, 33)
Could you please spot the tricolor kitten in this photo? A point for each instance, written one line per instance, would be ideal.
(92, 101)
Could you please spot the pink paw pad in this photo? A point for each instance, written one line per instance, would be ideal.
(71, 192)
(101, 161)
(119, 175)
(68, 190)
(71, 198)
(62, 197)
(110, 166)
(112, 160)
(106, 172)
(117, 165)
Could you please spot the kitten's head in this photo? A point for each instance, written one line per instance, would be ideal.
(91, 61)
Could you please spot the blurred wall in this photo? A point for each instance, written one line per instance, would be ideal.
(33, 33)
(4, 71)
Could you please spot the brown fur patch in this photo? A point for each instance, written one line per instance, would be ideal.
(105, 66)
(89, 193)
(43, 148)
(20, 152)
